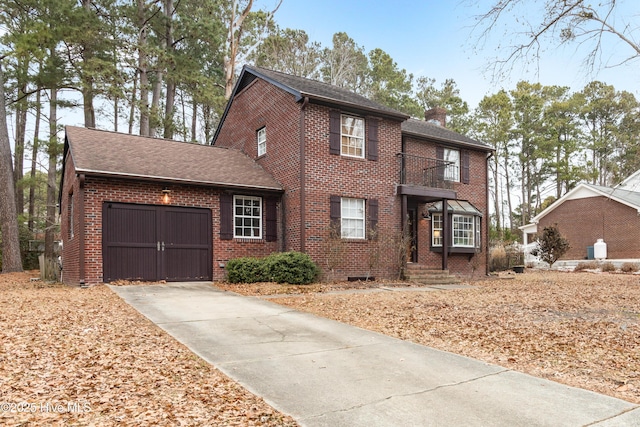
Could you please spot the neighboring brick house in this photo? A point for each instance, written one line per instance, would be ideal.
(295, 165)
(591, 212)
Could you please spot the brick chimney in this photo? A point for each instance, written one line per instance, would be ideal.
(437, 116)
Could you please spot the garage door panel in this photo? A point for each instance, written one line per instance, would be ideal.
(189, 227)
(133, 263)
(188, 264)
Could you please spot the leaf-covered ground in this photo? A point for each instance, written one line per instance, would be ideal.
(71, 356)
(580, 329)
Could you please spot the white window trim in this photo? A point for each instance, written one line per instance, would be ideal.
(439, 230)
(249, 216)
(352, 137)
(468, 219)
(451, 171)
(475, 231)
(360, 232)
(261, 135)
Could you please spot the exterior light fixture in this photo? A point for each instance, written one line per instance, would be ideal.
(165, 196)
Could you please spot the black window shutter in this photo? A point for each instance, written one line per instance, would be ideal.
(271, 230)
(335, 213)
(464, 165)
(440, 165)
(226, 216)
(372, 213)
(334, 132)
(372, 139)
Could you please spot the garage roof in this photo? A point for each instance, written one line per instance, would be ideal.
(99, 152)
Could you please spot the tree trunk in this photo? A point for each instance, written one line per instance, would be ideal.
(50, 222)
(496, 196)
(34, 163)
(154, 119)
(171, 78)
(143, 70)
(132, 110)
(507, 183)
(11, 260)
(21, 125)
(194, 122)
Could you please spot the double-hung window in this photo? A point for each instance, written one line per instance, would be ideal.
(352, 218)
(436, 230)
(463, 231)
(262, 141)
(247, 217)
(352, 136)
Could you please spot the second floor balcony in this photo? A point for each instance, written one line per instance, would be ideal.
(427, 178)
(427, 172)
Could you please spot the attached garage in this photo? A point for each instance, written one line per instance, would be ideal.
(147, 242)
(139, 208)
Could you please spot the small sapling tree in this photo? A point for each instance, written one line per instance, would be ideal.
(551, 245)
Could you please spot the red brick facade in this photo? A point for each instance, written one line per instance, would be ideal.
(474, 192)
(98, 190)
(298, 131)
(583, 221)
(299, 156)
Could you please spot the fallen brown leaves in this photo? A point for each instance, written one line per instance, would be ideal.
(580, 329)
(73, 356)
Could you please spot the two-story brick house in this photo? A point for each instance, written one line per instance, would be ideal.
(353, 167)
(295, 164)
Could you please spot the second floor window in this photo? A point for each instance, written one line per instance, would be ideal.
(262, 141)
(352, 136)
(452, 169)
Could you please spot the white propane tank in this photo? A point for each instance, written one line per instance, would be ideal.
(600, 249)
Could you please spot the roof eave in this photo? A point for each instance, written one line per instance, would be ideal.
(110, 174)
(331, 101)
(479, 146)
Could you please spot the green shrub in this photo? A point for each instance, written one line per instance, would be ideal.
(294, 268)
(630, 267)
(284, 267)
(608, 266)
(245, 270)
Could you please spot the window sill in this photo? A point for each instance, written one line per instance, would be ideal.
(456, 250)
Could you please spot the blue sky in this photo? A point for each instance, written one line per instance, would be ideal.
(434, 39)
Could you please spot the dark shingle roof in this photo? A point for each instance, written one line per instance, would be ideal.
(319, 91)
(99, 152)
(423, 129)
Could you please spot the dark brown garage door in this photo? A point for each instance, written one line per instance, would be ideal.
(144, 242)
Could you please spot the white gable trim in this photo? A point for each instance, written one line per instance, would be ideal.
(631, 183)
(582, 191)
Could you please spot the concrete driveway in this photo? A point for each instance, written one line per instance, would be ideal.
(326, 373)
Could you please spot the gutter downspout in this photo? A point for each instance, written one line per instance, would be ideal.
(486, 225)
(404, 211)
(303, 195)
(81, 242)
